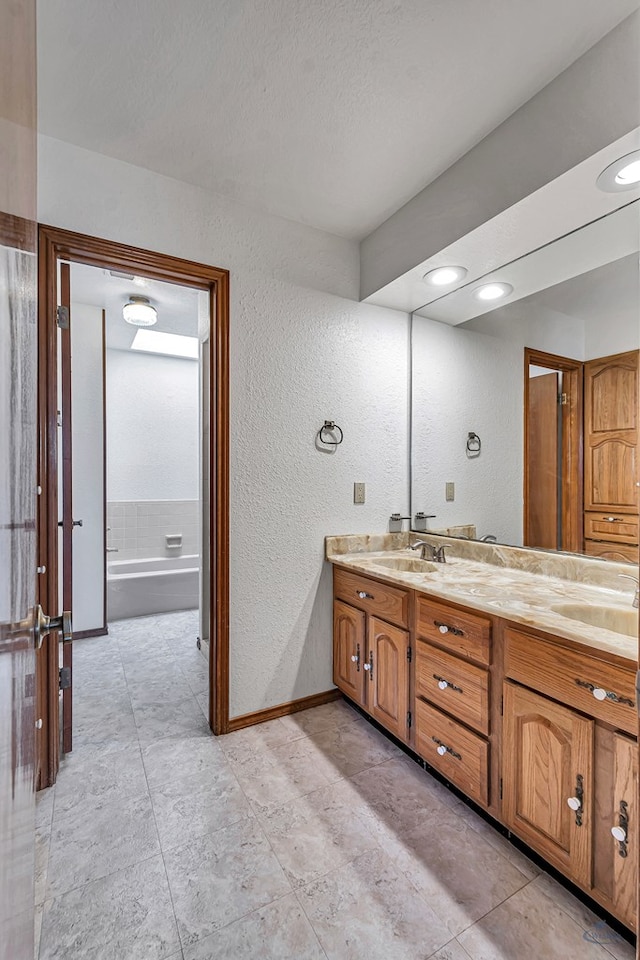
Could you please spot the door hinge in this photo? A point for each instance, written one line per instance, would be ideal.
(409, 718)
(62, 317)
(409, 654)
(64, 678)
(563, 399)
(501, 788)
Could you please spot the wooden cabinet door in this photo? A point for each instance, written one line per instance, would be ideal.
(349, 650)
(611, 433)
(388, 672)
(547, 759)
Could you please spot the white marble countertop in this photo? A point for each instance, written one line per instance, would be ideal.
(519, 595)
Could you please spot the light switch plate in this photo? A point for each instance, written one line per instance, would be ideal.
(358, 493)
(449, 491)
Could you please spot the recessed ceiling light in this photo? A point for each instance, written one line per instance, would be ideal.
(170, 344)
(493, 291)
(139, 312)
(443, 276)
(622, 174)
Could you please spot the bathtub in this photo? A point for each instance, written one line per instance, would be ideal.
(154, 585)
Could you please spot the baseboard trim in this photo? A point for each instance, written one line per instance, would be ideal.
(85, 634)
(282, 710)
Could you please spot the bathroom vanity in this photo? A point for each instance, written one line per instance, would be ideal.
(499, 668)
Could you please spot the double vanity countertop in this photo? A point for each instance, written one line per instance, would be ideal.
(546, 591)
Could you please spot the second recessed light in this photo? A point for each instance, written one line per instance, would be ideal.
(492, 291)
(444, 276)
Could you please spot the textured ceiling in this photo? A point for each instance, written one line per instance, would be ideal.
(330, 112)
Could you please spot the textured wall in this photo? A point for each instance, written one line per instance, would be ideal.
(300, 353)
(152, 427)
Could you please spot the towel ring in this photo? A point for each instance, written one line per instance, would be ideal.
(474, 443)
(329, 426)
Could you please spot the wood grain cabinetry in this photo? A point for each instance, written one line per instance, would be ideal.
(611, 450)
(459, 755)
(371, 648)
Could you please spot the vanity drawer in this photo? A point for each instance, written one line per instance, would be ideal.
(374, 597)
(464, 758)
(456, 685)
(619, 552)
(611, 527)
(566, 675)
(463, 633)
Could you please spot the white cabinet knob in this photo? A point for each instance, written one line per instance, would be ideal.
(39, 724)
(574, 803)
(443, 628)
(354, 658)
(599, 693)
(619, 834)
(367, 666)
(442, 750)
(443, 684)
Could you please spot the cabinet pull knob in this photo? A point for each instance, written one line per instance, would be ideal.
(446, 628)
(369, 666)
(576, 803)
(613, 519)
(443, 749)
(601, 694)
(364, 595)
(620, 832)
(444, 684)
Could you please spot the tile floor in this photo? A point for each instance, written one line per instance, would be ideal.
(311, 837)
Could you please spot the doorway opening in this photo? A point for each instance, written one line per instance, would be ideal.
(133, 518)
(553, 483)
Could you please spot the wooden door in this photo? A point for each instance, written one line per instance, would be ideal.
(547, 760)
(611, 433)
(388, 672)
(349, 650)
(542, 523)
(65, 498)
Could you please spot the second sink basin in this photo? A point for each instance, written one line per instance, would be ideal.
(616, 619)
(405, 564)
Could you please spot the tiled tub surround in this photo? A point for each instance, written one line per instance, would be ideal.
(310, 837)
(137, 528)
(509, 582)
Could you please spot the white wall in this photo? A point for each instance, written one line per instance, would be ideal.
(471, 378)
(152, 427)
(300, 353)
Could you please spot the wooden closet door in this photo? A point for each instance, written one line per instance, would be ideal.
(611, 433)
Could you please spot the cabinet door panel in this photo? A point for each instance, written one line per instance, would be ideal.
(547, 758)
(625, 807)
(388, 693)
(349, 643)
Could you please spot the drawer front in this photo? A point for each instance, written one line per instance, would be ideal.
(463, 757)
(456, 685)
(374, 597)
(611, 527)
(618, 552)
(465, 634)
(567, 675)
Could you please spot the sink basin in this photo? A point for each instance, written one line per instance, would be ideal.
(405, 564)
(616, 619)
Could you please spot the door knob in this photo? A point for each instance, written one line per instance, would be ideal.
(42, 625)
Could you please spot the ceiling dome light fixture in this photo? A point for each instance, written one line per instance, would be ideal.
(492, 291)
(444, 276)
(139, 312)
(622, 174)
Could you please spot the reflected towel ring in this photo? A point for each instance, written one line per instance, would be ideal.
(330, 427)
(474, 444)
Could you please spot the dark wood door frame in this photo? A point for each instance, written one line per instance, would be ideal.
(572, 446)
(54, 245)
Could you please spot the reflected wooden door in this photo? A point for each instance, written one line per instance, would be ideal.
(543, 454)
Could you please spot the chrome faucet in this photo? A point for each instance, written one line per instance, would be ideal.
(437, 556)
(488, 538)
(636, 598)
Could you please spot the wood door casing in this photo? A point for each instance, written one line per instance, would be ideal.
(388, 684)
(349, 640)
(543, 439)
(546, 748)
(611, 433)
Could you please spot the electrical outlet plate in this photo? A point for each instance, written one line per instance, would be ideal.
(449, 492)
(358, 493)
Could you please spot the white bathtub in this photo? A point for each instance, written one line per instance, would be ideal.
(154, 585)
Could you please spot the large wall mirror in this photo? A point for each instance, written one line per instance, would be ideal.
(524, 414)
